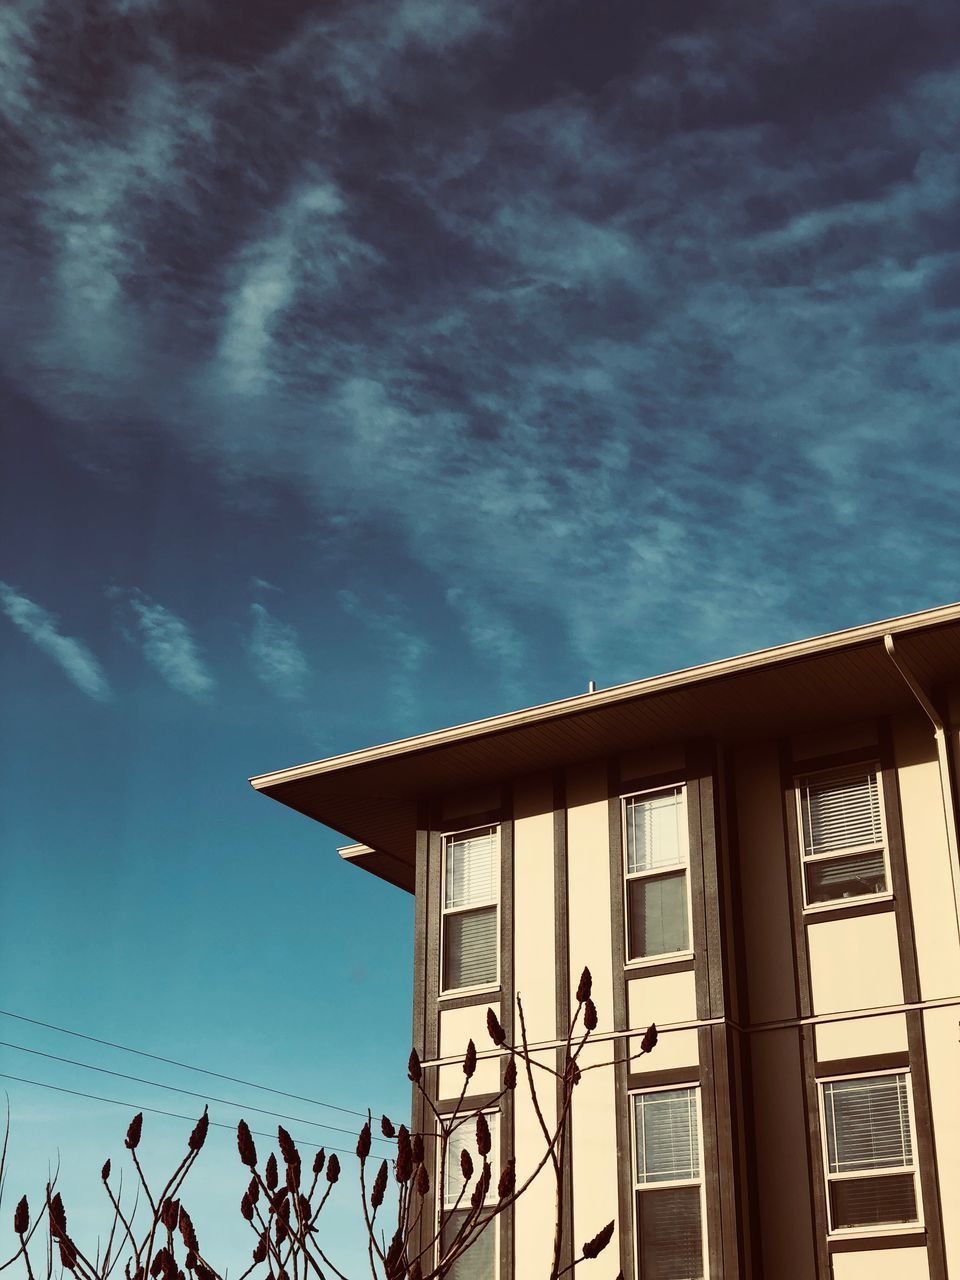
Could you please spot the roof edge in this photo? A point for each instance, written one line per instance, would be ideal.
(795, 649)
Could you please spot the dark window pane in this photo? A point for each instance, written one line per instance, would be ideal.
(657, 907)
(669, 1239)
(867, 1202)
(470, 947)
(835, 878)
(477, 1263)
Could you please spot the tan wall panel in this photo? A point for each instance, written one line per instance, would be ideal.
(534, 952)
(827, 742)
(535, 1217)
(673, 1049)
(928, 862)
(766, 905)
(943, 1070)
(882, 1264)
(457, 1026)
(640, 764)
(785, 1215)
(588, 862)
(855, 1037)
(855, 963)
(594, 1152)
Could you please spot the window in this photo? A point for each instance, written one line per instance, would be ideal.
(870, 1151)
(668, 1185)
(471, 882)
(657, 861)
(480, 1260)
(844, 852)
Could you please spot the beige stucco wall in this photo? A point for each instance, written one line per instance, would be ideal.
(783, 1191)
(854, 963)
(457, 1026)
(663, 999)
(928, 865)
(768, 938)
(535, 978)
(856, 1037)
(942, 1034)
(882, 1264)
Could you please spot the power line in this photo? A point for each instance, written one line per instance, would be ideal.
(172, 1088)
(186, 1066)
(157, 1111)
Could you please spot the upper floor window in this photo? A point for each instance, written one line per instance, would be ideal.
(471, 892)
(871, 1165)
(657, 870)
(668, 1185)
(844, 851)
(479, 1262)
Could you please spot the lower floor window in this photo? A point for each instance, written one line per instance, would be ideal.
(668, 1185)
(479, 1261)
(870, 1151)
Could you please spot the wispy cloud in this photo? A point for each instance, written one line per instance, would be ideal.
(276, 655)
(402, 649)
(169, 646)
(71, 655)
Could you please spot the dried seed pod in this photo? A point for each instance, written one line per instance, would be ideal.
(589, 1015)
(482, 1187)
(510, 1073)
(187, 1231)
(246, 1207)
(416, 1148)
(423, 1181)
(379, 1186)
(585, 986)
(404, 1165)
(494, 1029)
(191, 1262)
(271, 1174)
(156, 1266)
(386, 1127)
(199, 1135)
(650, 1037)
(21, 1217)
(303, 1208)
(253, 1190)
(280, 1230)
(260, 1248)
(414, 1070)
(245, 1145)
(470, 1059)
(483, 1135)
(288, 1148)
(319, 1160)
(105, 1171)
(58, 1216)
(507, 1179)
(333, 1168)
(281, 1274)
(132, 1140)
(466, 1165)
(293, 1175)
(68, 1253)
(599, 1242)
(169, 1213)
(363, 1142)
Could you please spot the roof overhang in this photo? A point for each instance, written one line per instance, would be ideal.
(371, 796)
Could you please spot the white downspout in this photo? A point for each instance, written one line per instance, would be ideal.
(946, 781)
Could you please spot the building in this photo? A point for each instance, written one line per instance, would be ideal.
(758, 854)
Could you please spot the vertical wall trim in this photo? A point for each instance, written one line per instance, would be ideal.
(508, 1001)
(698, 902)
(421, 911)
(561, 903)
(620, 1071)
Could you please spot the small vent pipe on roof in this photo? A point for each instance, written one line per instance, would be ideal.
(591, 686)
(943, 759)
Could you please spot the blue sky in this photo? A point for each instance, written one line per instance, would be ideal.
(372, 367)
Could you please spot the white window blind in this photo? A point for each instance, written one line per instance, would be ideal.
(470, 948)
(656, 832)
(670, 1234)
(464, 1138)
(471, 871)
(841, 812)
(668, 1148)
(868, 1124)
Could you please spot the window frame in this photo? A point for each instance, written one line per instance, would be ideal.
(858, 769)
(877, 1228)
(656, 873)
(493, 1120)
(637, 1187)
(445, 911)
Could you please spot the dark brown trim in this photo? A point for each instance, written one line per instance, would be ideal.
(421, 932)
(468, 821)
(475, 1102)
(818, 1191)
(698, 905)
(507, 1006)
(633, 973)
(561, 924)
(490, 995)
(801, 968)
(926, 1146)
(712, 1174)
(652, 782)
(638, 1081)
(867, 1244)
(619, 951)
(434, 976)
(836, 759)
(878, 908)
(860, 1066)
